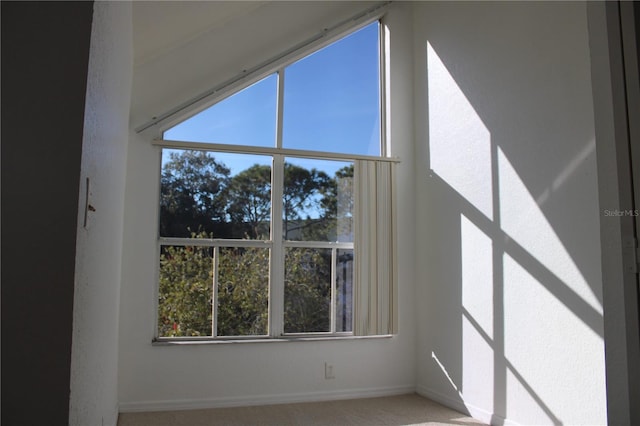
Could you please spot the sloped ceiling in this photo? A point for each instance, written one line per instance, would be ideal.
(161, 26)
(183, 49)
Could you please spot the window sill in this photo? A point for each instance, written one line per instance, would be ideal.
(287, 339)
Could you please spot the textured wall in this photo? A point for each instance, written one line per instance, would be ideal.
(508, 212)
(99, 244)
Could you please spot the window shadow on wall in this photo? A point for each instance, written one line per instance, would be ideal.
(515, 278)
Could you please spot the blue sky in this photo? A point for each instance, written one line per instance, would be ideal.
(331, 103)
(331, 98)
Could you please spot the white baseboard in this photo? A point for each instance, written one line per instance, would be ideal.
(113, 421)
(469, 409)
(244, 401)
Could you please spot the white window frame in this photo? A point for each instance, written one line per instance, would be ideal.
(276, 244)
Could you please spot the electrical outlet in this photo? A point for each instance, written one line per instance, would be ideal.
(328, 371)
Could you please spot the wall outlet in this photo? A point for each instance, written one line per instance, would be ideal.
(328, 371)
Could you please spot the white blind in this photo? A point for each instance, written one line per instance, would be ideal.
(375, 284)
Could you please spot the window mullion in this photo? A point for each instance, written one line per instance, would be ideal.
(334, 275)
(214, 296)
(276, 281)
(383, 98)
(280, 108)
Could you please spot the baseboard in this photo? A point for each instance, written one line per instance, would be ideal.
(469, 409)
(115, 417)
(244, 401)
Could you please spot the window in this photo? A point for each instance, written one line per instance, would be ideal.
(276, 209)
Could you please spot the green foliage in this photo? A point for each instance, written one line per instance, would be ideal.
(307, 290)
(184, 300)
(186, 284)
(243, 291)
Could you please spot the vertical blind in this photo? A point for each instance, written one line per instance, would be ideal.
(375, 284)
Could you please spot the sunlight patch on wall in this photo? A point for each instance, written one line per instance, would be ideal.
(540, 332)
(459, 142)
(477, 315)
(524, 222)
(477, 274)
(477, 365)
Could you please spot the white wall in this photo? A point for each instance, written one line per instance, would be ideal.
(94, 363)
(510, 325)
(165, 377)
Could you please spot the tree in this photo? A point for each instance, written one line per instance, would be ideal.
(249, 201)
(302, 192)
(192, 198)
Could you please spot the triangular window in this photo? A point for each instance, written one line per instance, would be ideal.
(331, 103)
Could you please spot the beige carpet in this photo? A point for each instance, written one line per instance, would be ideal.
(394, 410)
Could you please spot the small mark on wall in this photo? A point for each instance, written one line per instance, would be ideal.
(87, 206)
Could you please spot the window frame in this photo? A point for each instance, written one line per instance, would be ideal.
(276, 244)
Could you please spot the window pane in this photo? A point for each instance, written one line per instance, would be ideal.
(318, 200)
(215, 195)
(243, 291)
(344, 290)
(307, 290)
(332, 97)
(245, 118)
(185, 291)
